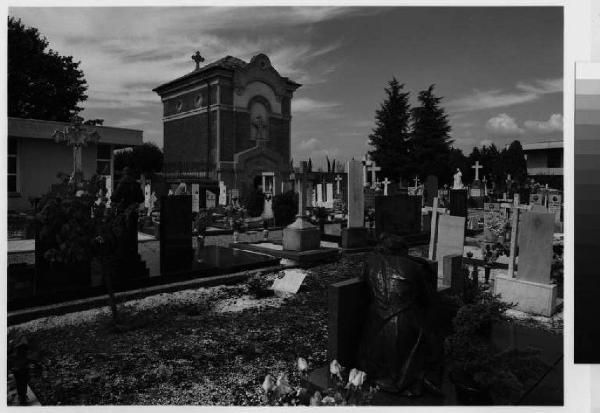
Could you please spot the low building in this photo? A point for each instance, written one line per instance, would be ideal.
(35, 159)
(545, 162)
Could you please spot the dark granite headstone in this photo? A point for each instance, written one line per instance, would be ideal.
(397, 214)
(458, 202)
(431, 189)
(176, 249)
(453, 273)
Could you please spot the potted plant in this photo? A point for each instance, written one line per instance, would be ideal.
(483, 375)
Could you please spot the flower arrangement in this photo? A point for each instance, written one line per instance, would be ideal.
(347, 390)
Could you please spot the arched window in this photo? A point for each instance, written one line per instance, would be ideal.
(259, 118)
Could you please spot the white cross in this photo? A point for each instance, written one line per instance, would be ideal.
(366, 163)
(515, 207)
(385, 183)
(477, 167)
(338, 179)
(434, 218)
(374, 169)
(416, 182)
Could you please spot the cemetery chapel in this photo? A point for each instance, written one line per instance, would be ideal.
(228, 124)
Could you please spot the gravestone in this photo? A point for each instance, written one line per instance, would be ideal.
(195, 198)
(397, 214)
(329, 194)
(319, 195)
(222, 193)
(450, 238)
(531, 289)
(176, 249)
(458, 202)
(554, 206)
(355, 235)
(211, 199)
(536, 199)
(535, 247)
(288, 282)
(431, 189)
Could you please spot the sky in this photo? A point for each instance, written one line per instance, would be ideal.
(498, 69)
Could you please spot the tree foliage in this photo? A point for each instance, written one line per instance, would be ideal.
(42, 84)
(390, 137)
(143, 159)
(430, 140)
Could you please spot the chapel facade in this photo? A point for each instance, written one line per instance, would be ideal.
(227, 125)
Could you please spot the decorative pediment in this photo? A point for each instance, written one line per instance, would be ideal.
(260, 70)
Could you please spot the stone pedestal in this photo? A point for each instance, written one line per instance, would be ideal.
(301, 235)
(530, 297)
(354, 237)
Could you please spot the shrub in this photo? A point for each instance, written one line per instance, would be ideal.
(255, 203)
(285, 208)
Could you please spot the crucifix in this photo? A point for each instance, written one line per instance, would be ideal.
(385, 183)
(338, 179)
(76, 136)
(374, 169)
(196, 57)
(416, 182)
(259, 124)
(434, 218)
(477, 167)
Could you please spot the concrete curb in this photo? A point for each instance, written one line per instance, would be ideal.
(28, 314)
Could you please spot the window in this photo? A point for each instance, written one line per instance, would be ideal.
(103, 158)
(12, 165)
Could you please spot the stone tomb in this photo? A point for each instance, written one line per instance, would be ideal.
(531, 289)
(458, 202)
(450, 238)
(355, 235)
(397, 214)
(175, 232)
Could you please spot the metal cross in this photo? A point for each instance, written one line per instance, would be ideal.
(196, 57)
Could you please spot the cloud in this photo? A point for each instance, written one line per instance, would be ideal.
(309, 144)
(503, 125)
(553, 124)
(497, 98)
(486, 142)
(311, 105)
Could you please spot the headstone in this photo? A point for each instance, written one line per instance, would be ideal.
(329, 194)
(222, 193)
(195, 198)
(288, 281)
(458, 202)
(554, 206)
(450, 239)
(535, 247)
(211, 199)
(175, 232)
(431, 189)
(356, 197)
(147, 195)
(319, 195)
(397, 214)
(536, 199)
(453, 272)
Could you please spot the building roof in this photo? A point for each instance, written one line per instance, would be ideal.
(43, 129)
(227, 63)
(537, 146)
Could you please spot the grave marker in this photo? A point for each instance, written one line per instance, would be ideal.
(195, 198)
(355, 235)
(288, 282)
(222, 193)
(385, 183)
(434, 226)
(458, 202)
(450, 239)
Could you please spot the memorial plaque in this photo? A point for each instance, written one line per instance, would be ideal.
(536, 199)
(211, 199)
(554, 205)
(536, 232)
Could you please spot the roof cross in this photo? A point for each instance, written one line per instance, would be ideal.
(196, 57)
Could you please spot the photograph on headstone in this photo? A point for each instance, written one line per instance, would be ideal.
(286, 206)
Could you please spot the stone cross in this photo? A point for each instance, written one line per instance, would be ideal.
(434, 218)
(338, 179)
(385, 183)
(416, 182)
(76, 136)
(515, 208)
(477, 167)
(196, 57)
(374, 169)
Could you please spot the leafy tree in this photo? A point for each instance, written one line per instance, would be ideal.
(42, 84)
(514, 163)
(390, 137)
(285, 208)
(430, 140)
(143, 160)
